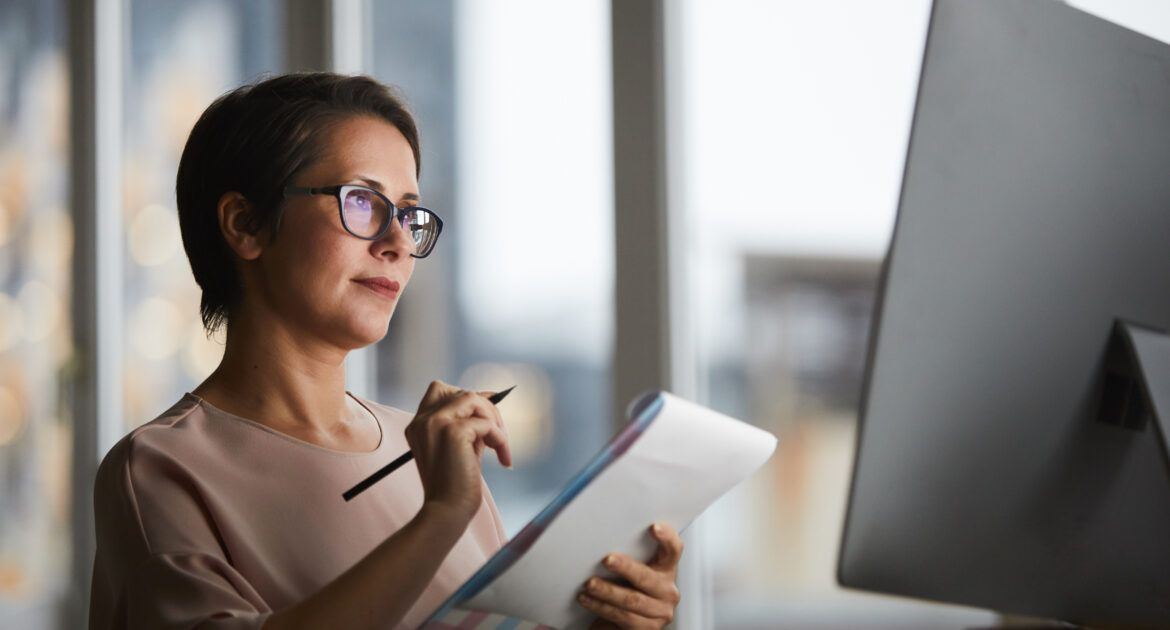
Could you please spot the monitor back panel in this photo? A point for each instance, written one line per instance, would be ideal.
(1035, 210)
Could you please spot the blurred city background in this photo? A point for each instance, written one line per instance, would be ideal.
(788, 126)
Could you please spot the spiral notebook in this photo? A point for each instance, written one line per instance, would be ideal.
(670, 462)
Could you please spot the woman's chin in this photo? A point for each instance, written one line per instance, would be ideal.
(357, 327)
(368, 331)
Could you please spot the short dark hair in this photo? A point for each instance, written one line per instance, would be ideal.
(254, 140)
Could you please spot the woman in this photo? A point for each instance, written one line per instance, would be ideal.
(297, 201)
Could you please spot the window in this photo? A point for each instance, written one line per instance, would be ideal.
(795, 123)
(36, 347)
(513, 100)
(793, 120)
(182, 55)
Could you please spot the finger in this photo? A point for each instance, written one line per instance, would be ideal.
(654, 583)
(609, 612)
(450, 405)
(478, 432)
(437, 392)
(628, 599)
(470, 403)
(442, 434)
(497, 440)
(464, 419)
(465, 404)
(670, 546)
(495, 410)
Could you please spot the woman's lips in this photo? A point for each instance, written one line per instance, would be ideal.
(382, 286)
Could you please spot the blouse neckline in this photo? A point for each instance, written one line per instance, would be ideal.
(297, 441)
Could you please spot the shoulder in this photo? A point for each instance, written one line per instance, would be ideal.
(139, 478)
(155, 435)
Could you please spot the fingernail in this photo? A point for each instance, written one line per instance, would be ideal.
(608, 561)
(656, 528)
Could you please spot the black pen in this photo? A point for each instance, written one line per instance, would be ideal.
(405, 457)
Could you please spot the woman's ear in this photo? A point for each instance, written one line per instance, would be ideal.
(237, 223)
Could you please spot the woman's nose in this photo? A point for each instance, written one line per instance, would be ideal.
(397, 240)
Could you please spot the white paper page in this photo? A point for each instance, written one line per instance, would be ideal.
(687, 458)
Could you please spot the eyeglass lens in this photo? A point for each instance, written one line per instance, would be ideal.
(366, 213)
(422, 227)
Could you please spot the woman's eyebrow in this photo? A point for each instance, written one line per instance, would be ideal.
(372, 183)
(377, 185)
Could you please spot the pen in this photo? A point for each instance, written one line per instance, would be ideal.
(405, 457)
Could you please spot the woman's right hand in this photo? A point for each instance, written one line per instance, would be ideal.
(447, 437)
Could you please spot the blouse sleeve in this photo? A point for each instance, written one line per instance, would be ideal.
(159, 564)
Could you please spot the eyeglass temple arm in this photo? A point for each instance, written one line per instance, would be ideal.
(324, 190)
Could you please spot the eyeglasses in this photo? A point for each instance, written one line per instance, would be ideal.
(366, 213)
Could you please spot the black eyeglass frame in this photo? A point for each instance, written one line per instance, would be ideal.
(338, 192)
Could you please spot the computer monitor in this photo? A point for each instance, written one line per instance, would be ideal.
(992, 467)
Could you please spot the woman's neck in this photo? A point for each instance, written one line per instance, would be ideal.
(280, 379)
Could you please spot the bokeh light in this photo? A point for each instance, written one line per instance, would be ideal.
(11, 416)
(5, 224)
(11, 322)
(156, 328)
(201, 355)
(153, 235)
(528, 409)
(51, 244)
(42, 308)
(14, 185)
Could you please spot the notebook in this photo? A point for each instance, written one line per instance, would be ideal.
(670, 462)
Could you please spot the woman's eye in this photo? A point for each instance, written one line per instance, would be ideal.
(359, 201)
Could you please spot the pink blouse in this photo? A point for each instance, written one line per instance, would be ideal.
(210, 520)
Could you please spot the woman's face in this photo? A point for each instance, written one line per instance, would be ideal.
(317, 278)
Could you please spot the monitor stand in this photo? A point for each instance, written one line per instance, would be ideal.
(1137, 391)
(1137, 380)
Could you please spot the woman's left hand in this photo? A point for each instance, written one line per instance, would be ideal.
(651, 597)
